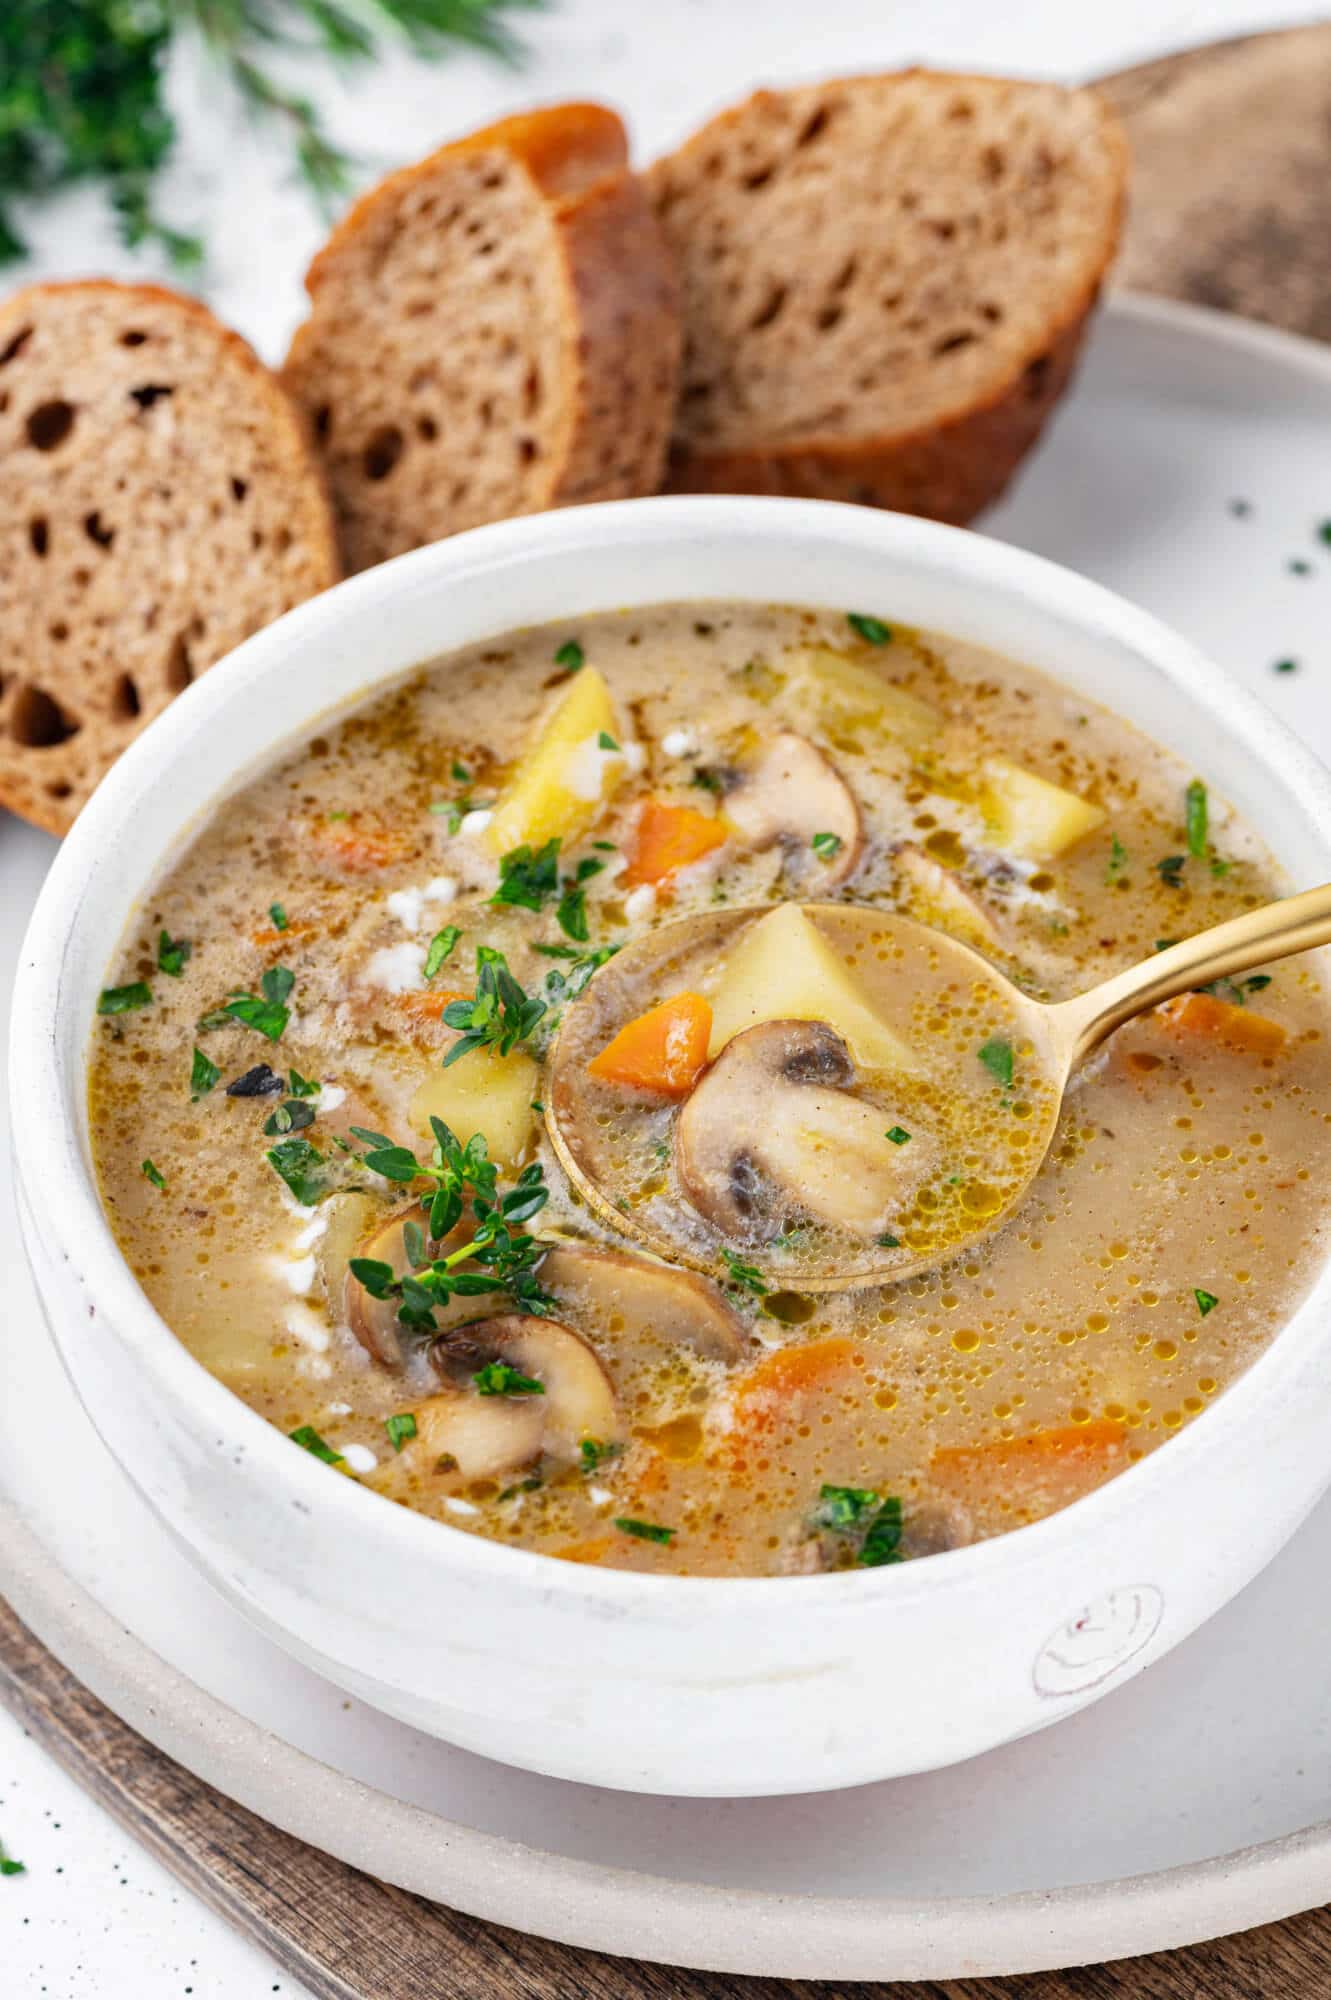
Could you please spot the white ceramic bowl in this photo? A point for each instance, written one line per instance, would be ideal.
(650, 1683)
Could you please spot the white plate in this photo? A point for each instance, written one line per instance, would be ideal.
(1195, 1800)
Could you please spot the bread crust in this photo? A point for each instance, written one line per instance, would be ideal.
(46, 782)
(959, 462)
(618, 308)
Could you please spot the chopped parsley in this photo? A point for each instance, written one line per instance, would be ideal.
(708, 780)
(1118, 859)
(293, 1116)
(460, 774)
(605, 741)
(859, 1511)
(172, 954)
(1206, 1301)
(401, 1429)
(570, 656)
(153, 1174)
(594, 1454)
(1197, 818)
(279, 916)
(499, 1014)
(302, 1086)
(1165, 944)
(571, 915)
(872, 629)
(309, 1440)
(826, 845)
(497, 1378)
(887, 1241)
(442, 945)
(8, 1865)
(840, 1507)
(302, 1166)
(646, 1531)
(1324, 532)
(528, 877)
(747, 1276)
(124, 999)
(1285, 666)
(898, 1135)
(998, 1060)
(266, 1012)
(203, 1077)
(1170, 870)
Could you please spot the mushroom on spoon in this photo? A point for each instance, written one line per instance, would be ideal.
(883, 1096)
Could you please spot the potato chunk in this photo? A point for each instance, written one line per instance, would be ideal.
(847, 694)
(784, 969)
(565, 777)
(482, 1092)
(1031, 817)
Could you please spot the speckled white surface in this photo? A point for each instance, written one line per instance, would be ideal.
(94, 1918)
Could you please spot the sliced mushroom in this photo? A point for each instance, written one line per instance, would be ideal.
(480, 1436)
(633, 1300)
(771, 1130)
(374, 1321)
(792, 795)
(938, 897)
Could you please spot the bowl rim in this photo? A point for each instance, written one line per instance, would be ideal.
(57, 1184)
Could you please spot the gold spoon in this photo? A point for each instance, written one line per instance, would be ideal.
(1053, 1040)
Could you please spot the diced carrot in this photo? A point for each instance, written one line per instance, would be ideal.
(1222, 1021)
(419, 1015)
(785, 1394)
(663, 1050)
(1053, 1466)
(594, 1550)
(424, 1006)
(359, 843)
(669, 838)
(273, 939)
(790, 1371)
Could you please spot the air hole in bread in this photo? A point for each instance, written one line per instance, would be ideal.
(151, 392)
(59, 788)
(133, 338)
(770, 309)
(1034, 378)
(382, 452)
(991, 312)
(531, 391)
(994, 162)
(59, 631)
(39, 534)
(97, 531)
(846, 274)
(960, 111)
(528, 450)
(944, 231)
(282, 541)
(323, 421)
(125, 703)
(813, 127)
(37, 720)
(179, 666)
(16, 345)
(759, 177)
(951, 342)
(829, 317)
(50, 424)
(239, 488)
(427, 428)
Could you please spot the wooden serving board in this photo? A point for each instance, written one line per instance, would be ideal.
(1231, 208)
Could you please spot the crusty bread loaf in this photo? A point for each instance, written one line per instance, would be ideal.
(158, 503)
(884, 283)
(493, 331)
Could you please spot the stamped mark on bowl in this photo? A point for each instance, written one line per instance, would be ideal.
(1098, 1640)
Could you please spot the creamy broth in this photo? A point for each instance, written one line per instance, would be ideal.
(303, 995)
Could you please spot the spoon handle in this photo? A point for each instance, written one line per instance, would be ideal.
(1297, 923)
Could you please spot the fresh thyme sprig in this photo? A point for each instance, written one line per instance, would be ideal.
(503, 1256)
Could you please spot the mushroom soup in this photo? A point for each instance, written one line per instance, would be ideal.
(570, 1245)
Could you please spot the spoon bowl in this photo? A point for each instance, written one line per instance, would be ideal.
(864, 1130)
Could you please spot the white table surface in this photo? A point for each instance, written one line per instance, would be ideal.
(94, 1917)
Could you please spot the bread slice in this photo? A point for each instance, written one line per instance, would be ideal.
(493, 332)
(159, 501)
(885, 282)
